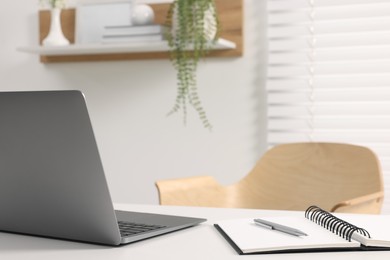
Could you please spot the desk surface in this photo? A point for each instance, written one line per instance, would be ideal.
(199, 242)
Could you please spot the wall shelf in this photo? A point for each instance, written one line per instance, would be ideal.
(229, 45)
(83, 49)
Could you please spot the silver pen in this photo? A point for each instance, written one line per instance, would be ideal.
(279, 227)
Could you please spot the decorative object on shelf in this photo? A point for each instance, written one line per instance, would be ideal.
(92, 17)
(142, 14)
(56, 36)
(134, 33)
(195, 26)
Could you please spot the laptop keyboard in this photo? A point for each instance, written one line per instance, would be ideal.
(129, 228)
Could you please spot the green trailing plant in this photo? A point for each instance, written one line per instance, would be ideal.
(191, 22)
(54, 3)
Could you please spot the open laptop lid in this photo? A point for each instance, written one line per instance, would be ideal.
(51, 177)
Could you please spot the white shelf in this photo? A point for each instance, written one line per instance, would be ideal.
(85, 49)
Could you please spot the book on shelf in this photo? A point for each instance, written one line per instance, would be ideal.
(325, 232)
(134, 30)
(132, 38)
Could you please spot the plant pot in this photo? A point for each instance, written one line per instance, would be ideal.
(210, 25)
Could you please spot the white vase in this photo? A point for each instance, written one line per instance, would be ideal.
(56, 36)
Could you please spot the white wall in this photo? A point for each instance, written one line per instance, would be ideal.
(128, 102)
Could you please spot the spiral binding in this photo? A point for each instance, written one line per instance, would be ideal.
(333, 223)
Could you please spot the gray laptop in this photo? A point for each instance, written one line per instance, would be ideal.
(52, 182)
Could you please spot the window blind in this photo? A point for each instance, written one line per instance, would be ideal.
(329, 74)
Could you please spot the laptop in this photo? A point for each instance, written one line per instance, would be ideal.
(52, 182)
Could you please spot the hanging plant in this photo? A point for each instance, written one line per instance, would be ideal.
(194, 26)
(54, 3)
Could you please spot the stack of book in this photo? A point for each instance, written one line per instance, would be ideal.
(129, 33)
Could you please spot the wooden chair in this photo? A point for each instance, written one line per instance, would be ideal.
(336, 177)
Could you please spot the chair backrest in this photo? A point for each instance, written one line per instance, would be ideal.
(333, 176)
(297, 175)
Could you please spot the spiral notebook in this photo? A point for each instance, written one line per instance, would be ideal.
(325, 232)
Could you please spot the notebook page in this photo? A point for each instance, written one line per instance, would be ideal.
(251, 238)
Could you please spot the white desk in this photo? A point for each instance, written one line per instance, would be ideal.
(197, 243)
